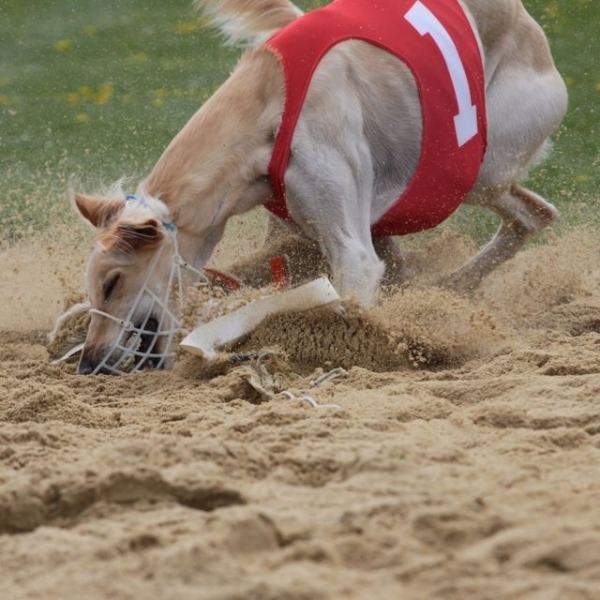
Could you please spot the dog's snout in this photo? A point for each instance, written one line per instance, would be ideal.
(89, 362)
(85, 367)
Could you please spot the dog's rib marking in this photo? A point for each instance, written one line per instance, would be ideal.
(426, 23)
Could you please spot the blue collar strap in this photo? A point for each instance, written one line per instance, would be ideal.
(142, 202)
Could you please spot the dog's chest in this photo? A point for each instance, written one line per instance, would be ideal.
(435, 40)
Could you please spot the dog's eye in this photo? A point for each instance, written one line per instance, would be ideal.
(110, 285)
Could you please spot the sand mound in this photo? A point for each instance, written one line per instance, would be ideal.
(545, 276)
(422, 327)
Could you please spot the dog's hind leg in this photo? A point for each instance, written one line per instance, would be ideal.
(523, 214)
(526, 101)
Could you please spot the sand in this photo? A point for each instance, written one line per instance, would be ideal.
(460, 460)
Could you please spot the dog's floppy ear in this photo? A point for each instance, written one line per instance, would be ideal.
(97, 210)
(129, 237)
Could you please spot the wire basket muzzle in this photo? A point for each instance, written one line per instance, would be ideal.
(145, 336)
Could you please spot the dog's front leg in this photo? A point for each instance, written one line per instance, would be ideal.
(330, 210)
(355, 266)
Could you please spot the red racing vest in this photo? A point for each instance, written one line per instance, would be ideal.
(436, 41)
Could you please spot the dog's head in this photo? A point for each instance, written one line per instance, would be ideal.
(129, 281)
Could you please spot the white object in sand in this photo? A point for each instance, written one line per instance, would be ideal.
(206, 339)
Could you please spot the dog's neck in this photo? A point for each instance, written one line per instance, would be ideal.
(217, 165)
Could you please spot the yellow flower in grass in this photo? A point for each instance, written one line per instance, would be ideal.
(139, 57)
(552, 10)
(159, 96)
(82, 118)
(104, 94)
(597, 86)
(188, 27)
(63, 45)
(86, 92)
(100, 96)
(73, 98)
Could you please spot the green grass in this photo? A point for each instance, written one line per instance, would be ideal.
(95, 90)
(571, 176)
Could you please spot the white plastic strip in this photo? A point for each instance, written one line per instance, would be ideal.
(208, 338)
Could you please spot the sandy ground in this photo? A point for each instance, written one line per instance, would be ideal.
(462, 462)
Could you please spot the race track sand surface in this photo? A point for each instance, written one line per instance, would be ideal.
(463, 462)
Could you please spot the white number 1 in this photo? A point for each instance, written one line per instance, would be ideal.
(425, 22)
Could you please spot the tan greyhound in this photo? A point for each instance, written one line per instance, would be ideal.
(354, 150)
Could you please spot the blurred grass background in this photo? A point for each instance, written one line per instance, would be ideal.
(94, 91)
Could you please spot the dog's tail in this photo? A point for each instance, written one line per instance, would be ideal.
(250, 21)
